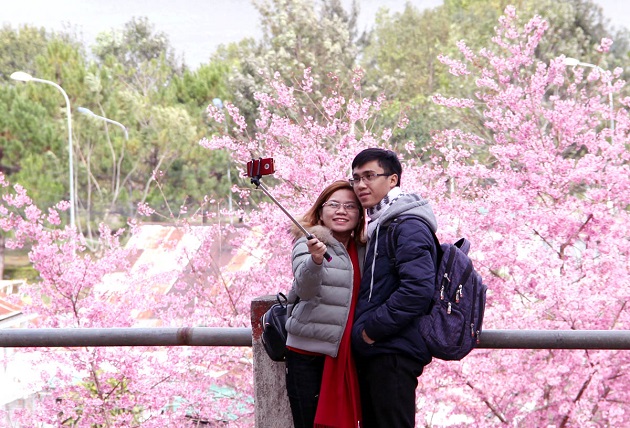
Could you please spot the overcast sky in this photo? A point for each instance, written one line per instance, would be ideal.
(195, 27)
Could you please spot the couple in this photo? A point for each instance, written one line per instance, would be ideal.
(354, 350)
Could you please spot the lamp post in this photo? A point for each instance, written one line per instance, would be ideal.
(573, 62)
(25, 77)
(117, 167)
(89, 112)
(219, 104)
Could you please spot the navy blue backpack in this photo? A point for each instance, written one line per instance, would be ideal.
(453, 325)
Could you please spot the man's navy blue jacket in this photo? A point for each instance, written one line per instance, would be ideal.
(394, 294)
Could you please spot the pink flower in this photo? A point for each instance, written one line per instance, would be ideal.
(605, 45)
(452, 102)
(307, 81)
(456, 68)
(145, 210)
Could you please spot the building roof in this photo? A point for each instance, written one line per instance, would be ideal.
(8, 310)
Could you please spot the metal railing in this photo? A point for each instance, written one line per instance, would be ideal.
(71, 337)
(230, 336)
(270, 399)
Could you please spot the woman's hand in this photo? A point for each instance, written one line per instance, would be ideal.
(317, 250)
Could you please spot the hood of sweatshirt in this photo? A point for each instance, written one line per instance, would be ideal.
(410, 204)
(405, 204)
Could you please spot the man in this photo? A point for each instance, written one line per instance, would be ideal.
(396, 290)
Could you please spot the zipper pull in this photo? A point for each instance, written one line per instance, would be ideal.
(448, 309)
(442, 293)
(459, 293)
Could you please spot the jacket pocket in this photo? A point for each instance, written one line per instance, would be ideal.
(360, 346)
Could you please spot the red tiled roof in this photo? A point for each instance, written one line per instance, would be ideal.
(7, 310)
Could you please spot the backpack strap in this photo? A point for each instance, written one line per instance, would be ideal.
(463, 244)
(290, 300)
(282, 299)
(390, 240)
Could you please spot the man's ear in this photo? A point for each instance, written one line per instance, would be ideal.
(393, 179)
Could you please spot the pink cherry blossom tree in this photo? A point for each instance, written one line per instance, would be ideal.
(547, 213)
(541, 190)
(114, 386)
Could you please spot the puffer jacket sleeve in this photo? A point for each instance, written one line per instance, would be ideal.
(415, 252)
(308, 274)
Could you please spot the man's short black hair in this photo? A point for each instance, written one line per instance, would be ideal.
(386, 159)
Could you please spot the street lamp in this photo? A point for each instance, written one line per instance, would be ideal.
(89, 112)
(573, 62)
(117, 167)
(219, 104)
(25, 77)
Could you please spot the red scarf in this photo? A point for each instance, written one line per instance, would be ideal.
(339, 404)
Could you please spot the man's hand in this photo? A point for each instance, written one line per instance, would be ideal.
(317, 250)
(366, 338)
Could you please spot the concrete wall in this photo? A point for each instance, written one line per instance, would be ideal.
(270, 392)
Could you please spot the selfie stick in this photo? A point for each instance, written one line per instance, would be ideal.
(256, 181)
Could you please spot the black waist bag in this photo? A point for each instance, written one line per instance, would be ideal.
(274, 332)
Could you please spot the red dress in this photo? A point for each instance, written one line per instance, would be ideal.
(339, 404)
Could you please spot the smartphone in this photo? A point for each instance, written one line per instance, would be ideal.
(260, 167)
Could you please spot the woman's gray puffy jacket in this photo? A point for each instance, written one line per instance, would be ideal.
(318, 320)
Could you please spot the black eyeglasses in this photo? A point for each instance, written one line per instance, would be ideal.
(334, 205)
(367, 178)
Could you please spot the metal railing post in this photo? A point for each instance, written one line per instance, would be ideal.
(270, 392)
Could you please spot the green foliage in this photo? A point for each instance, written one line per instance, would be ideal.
(138, 82)
(297, 34)
(63, 63)
(401, 55)
(401, 59)
(576, 27)
(198, 88)
(47, 175)
(31, 149)
(135, 45)
(27, 273)
(16, 262)
(34, 126)
(20, 48)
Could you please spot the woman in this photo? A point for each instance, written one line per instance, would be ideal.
(321, 378)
